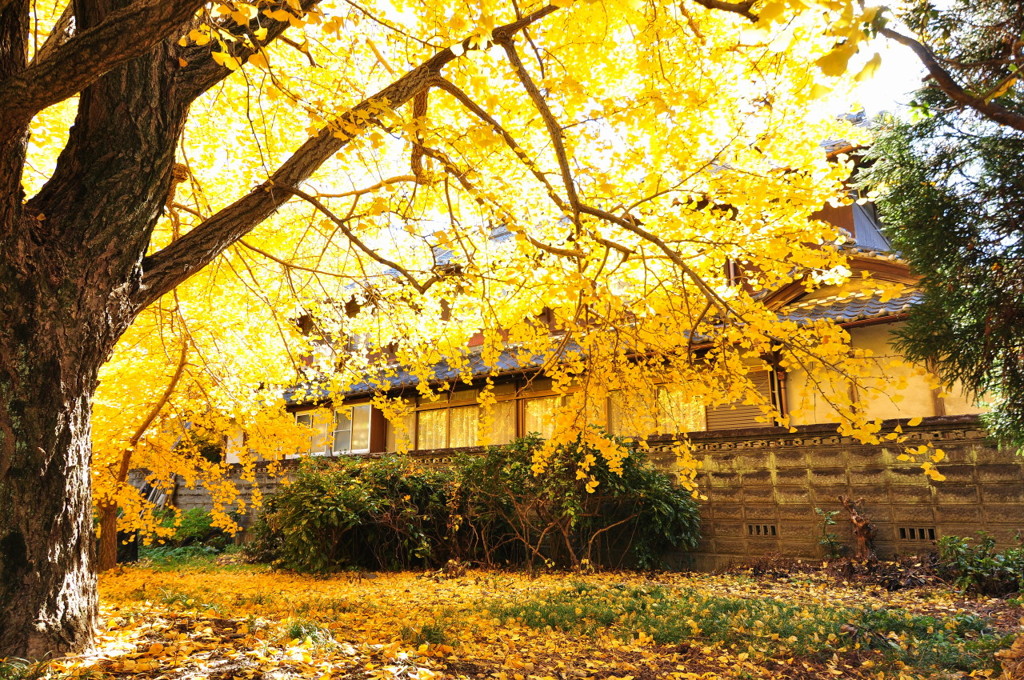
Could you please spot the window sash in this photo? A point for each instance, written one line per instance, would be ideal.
(320, 435)
(361, 428)
(463, 423)
(445, 428)
(432, 429)
(342, 430)
(352, 429)
(503, 423)
(539, 415)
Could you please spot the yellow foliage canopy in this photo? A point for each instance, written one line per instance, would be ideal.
(625, 152)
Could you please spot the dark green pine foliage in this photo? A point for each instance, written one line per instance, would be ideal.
(953, 204)
(952, 199)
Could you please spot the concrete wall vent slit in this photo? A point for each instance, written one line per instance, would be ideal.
(762, 530)
(917, 533)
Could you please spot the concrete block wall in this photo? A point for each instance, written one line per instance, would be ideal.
(763, 485)
(187, 498)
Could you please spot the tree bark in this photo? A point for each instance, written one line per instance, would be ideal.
(59, 319)
(107, 553)
(47, 377)
(71, 280)
(71, 260)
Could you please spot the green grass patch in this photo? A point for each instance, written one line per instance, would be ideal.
(762, 627)
(304, 629)
(21, 669)
(168, 558)
(191, 558)
(443, 630)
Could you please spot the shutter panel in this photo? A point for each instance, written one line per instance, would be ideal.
(743, 415)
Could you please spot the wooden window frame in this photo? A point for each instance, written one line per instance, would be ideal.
(447, 407)
(309, 416)
(351, 430)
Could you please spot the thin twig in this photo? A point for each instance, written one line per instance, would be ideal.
(370, 189)
(290, 265)
(554, 129)
(632, 226)
(358, 243)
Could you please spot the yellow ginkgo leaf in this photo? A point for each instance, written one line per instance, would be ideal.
(869, 69)
(835, 63)
(198, 37)
(259, 59)
(226, 60)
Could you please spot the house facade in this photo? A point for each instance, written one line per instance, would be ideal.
(763, 484)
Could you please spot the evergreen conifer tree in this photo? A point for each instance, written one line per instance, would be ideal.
(952, 197)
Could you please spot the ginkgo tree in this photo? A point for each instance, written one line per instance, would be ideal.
(629, 149)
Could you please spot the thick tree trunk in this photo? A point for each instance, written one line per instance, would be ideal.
(70, 260)
(71, 278)
(59, 320)
(47, 377)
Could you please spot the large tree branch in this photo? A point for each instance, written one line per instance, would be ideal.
(121, 36)
(945, 82)
(554, 129)
(186, 256)
(61, 32)
(14, 29)
(201, 72)
(741, 8)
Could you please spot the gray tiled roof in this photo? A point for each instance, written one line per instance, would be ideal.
(851, 308)
(398, 377)
(508, 362)
(841, 309)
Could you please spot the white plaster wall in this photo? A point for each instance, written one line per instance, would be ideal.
(917, 395)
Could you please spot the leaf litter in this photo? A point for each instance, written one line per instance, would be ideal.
(221, 623)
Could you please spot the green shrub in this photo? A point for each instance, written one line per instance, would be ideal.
(979, 567)
(633, 519)
(488, 509)
(193, 527)
(265, 541)
(343, 512)
(196, 527)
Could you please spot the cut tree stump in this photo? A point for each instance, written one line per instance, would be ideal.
(863, 530)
